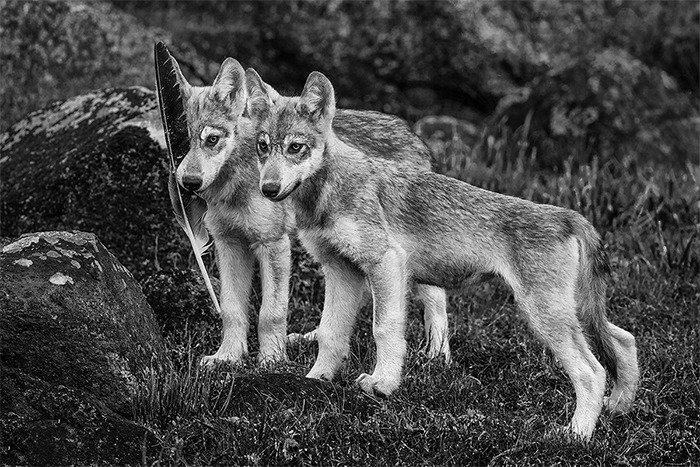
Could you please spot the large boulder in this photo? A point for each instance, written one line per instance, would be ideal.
(94, 163)
(77, 342)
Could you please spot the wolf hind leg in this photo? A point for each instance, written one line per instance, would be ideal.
(236, 263)
(625, 387)
(275, 269)
(434, 301)
(344, 286)
(552, 317)
(389, 286)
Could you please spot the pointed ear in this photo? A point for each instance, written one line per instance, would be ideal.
(272, 92)
(318, 98)
(259, 98)
(230, 83)
(185, 87)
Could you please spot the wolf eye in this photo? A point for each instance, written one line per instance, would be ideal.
(295, 148)
(212, 140)
(262, 146)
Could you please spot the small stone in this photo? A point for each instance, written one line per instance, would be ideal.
(24, 262)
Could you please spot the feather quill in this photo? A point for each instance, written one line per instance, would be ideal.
(189, 208)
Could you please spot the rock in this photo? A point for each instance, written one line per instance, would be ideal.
(608, 105)
(94, 163)
(77, 341)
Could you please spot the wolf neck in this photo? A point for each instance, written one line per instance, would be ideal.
(312, 200)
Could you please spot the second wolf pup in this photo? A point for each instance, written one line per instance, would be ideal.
(366, 217)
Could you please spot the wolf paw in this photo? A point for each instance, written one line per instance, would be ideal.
(618, 404)
(295, 337)
(220, 358)
(438, 355)
(321, 374)
(378, 385)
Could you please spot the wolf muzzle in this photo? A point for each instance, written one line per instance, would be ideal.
(270, 189)
(192, 182)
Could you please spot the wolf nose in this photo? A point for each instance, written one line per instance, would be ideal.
(192, 182)
(270, 189)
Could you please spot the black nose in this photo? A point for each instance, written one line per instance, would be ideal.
(192, 182)
(270, 189)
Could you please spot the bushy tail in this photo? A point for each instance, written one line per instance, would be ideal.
(592, 283)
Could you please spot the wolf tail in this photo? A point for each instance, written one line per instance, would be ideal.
(592, 284)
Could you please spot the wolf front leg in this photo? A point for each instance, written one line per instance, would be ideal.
(388, 280)
(275, 269)
(344, 289)
(235, 262)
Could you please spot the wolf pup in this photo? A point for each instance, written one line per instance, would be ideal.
(362, 216)
(246, 226)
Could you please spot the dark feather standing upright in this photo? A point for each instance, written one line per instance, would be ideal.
(189, 208)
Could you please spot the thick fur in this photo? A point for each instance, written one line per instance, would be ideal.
(247, 227)
(363, 216)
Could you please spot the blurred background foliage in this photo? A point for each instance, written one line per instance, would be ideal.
(599, 79)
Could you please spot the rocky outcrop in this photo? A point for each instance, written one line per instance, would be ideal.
(77, 342)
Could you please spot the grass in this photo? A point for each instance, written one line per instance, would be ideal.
(502, 400)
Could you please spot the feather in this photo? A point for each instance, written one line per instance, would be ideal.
(189, 208)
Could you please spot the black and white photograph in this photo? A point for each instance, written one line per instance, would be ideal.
(349, 233)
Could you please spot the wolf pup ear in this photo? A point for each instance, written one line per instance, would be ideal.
(272, 93)
(230, 83)
(259, 94)
(185, 87)
(318, 98)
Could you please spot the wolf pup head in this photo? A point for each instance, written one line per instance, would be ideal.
(292, 132)
(212, 117)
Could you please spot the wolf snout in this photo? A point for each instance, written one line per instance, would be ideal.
(270, 189)
(192, 182)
